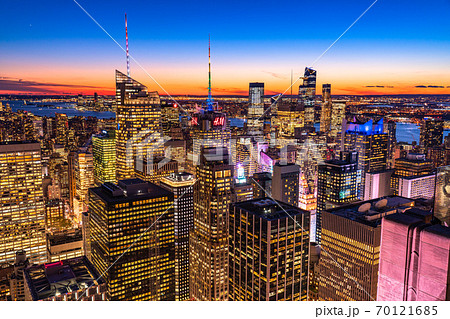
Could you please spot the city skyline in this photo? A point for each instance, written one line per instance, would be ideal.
(58, 49)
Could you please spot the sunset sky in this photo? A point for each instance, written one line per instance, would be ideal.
(398, 47)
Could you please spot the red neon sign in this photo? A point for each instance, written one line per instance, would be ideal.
(218, 121)
(194, 121)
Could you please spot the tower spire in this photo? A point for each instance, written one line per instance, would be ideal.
(209, 101)
(126, 37)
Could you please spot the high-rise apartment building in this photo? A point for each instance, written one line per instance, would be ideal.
(351, 248)
(104, 157)
(255, 120)
(337, 185)
(22, 209)
(131, 227)
(414, 258)
(307, 95)
(208, 255)
(181, 185)
(285, 183)
(269, 251)
(139, 130)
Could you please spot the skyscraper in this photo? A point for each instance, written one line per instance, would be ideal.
(417, 270)
(137, 215)
(351, 248)
(285, 183)
(255, 113)
(139, 130)
(431, 133)
(337, 117)
(262, 185)
(62, 128)
(104, 157)
(325, 117)
(208, 244)
(337, 184)
(181, 185)
(22, 210)
(209, 129)
(390, 127)
(84, 179)
(269, 251)
(307, 95)
(370, 142)
(412, 165)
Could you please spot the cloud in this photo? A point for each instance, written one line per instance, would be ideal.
(19, 85)
(238, 91)
(380, 86)
(276, 75)
(431, 86)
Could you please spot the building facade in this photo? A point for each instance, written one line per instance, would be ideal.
(208, 244)
(269, 251)
(22, 209)
(131, 227)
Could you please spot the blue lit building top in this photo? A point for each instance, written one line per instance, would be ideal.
(368, 128)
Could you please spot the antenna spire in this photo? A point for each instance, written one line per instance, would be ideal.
(209, 101)
(126, 37)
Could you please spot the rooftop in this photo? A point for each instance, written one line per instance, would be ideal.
(372, 211)
(52, 279)
(269, 209)
(129, 190)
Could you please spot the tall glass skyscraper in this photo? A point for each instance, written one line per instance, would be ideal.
(255, 121)
(307, 95)
(139, 129)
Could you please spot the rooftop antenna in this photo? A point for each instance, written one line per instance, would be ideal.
(209, 101)
(126, 37)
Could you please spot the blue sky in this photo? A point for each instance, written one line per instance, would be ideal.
(399, 42)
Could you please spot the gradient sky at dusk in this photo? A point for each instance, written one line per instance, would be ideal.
(54, 47)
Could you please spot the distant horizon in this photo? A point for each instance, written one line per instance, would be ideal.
(214, 95)
(393, 49)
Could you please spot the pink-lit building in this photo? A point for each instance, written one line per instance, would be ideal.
(414, 258)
